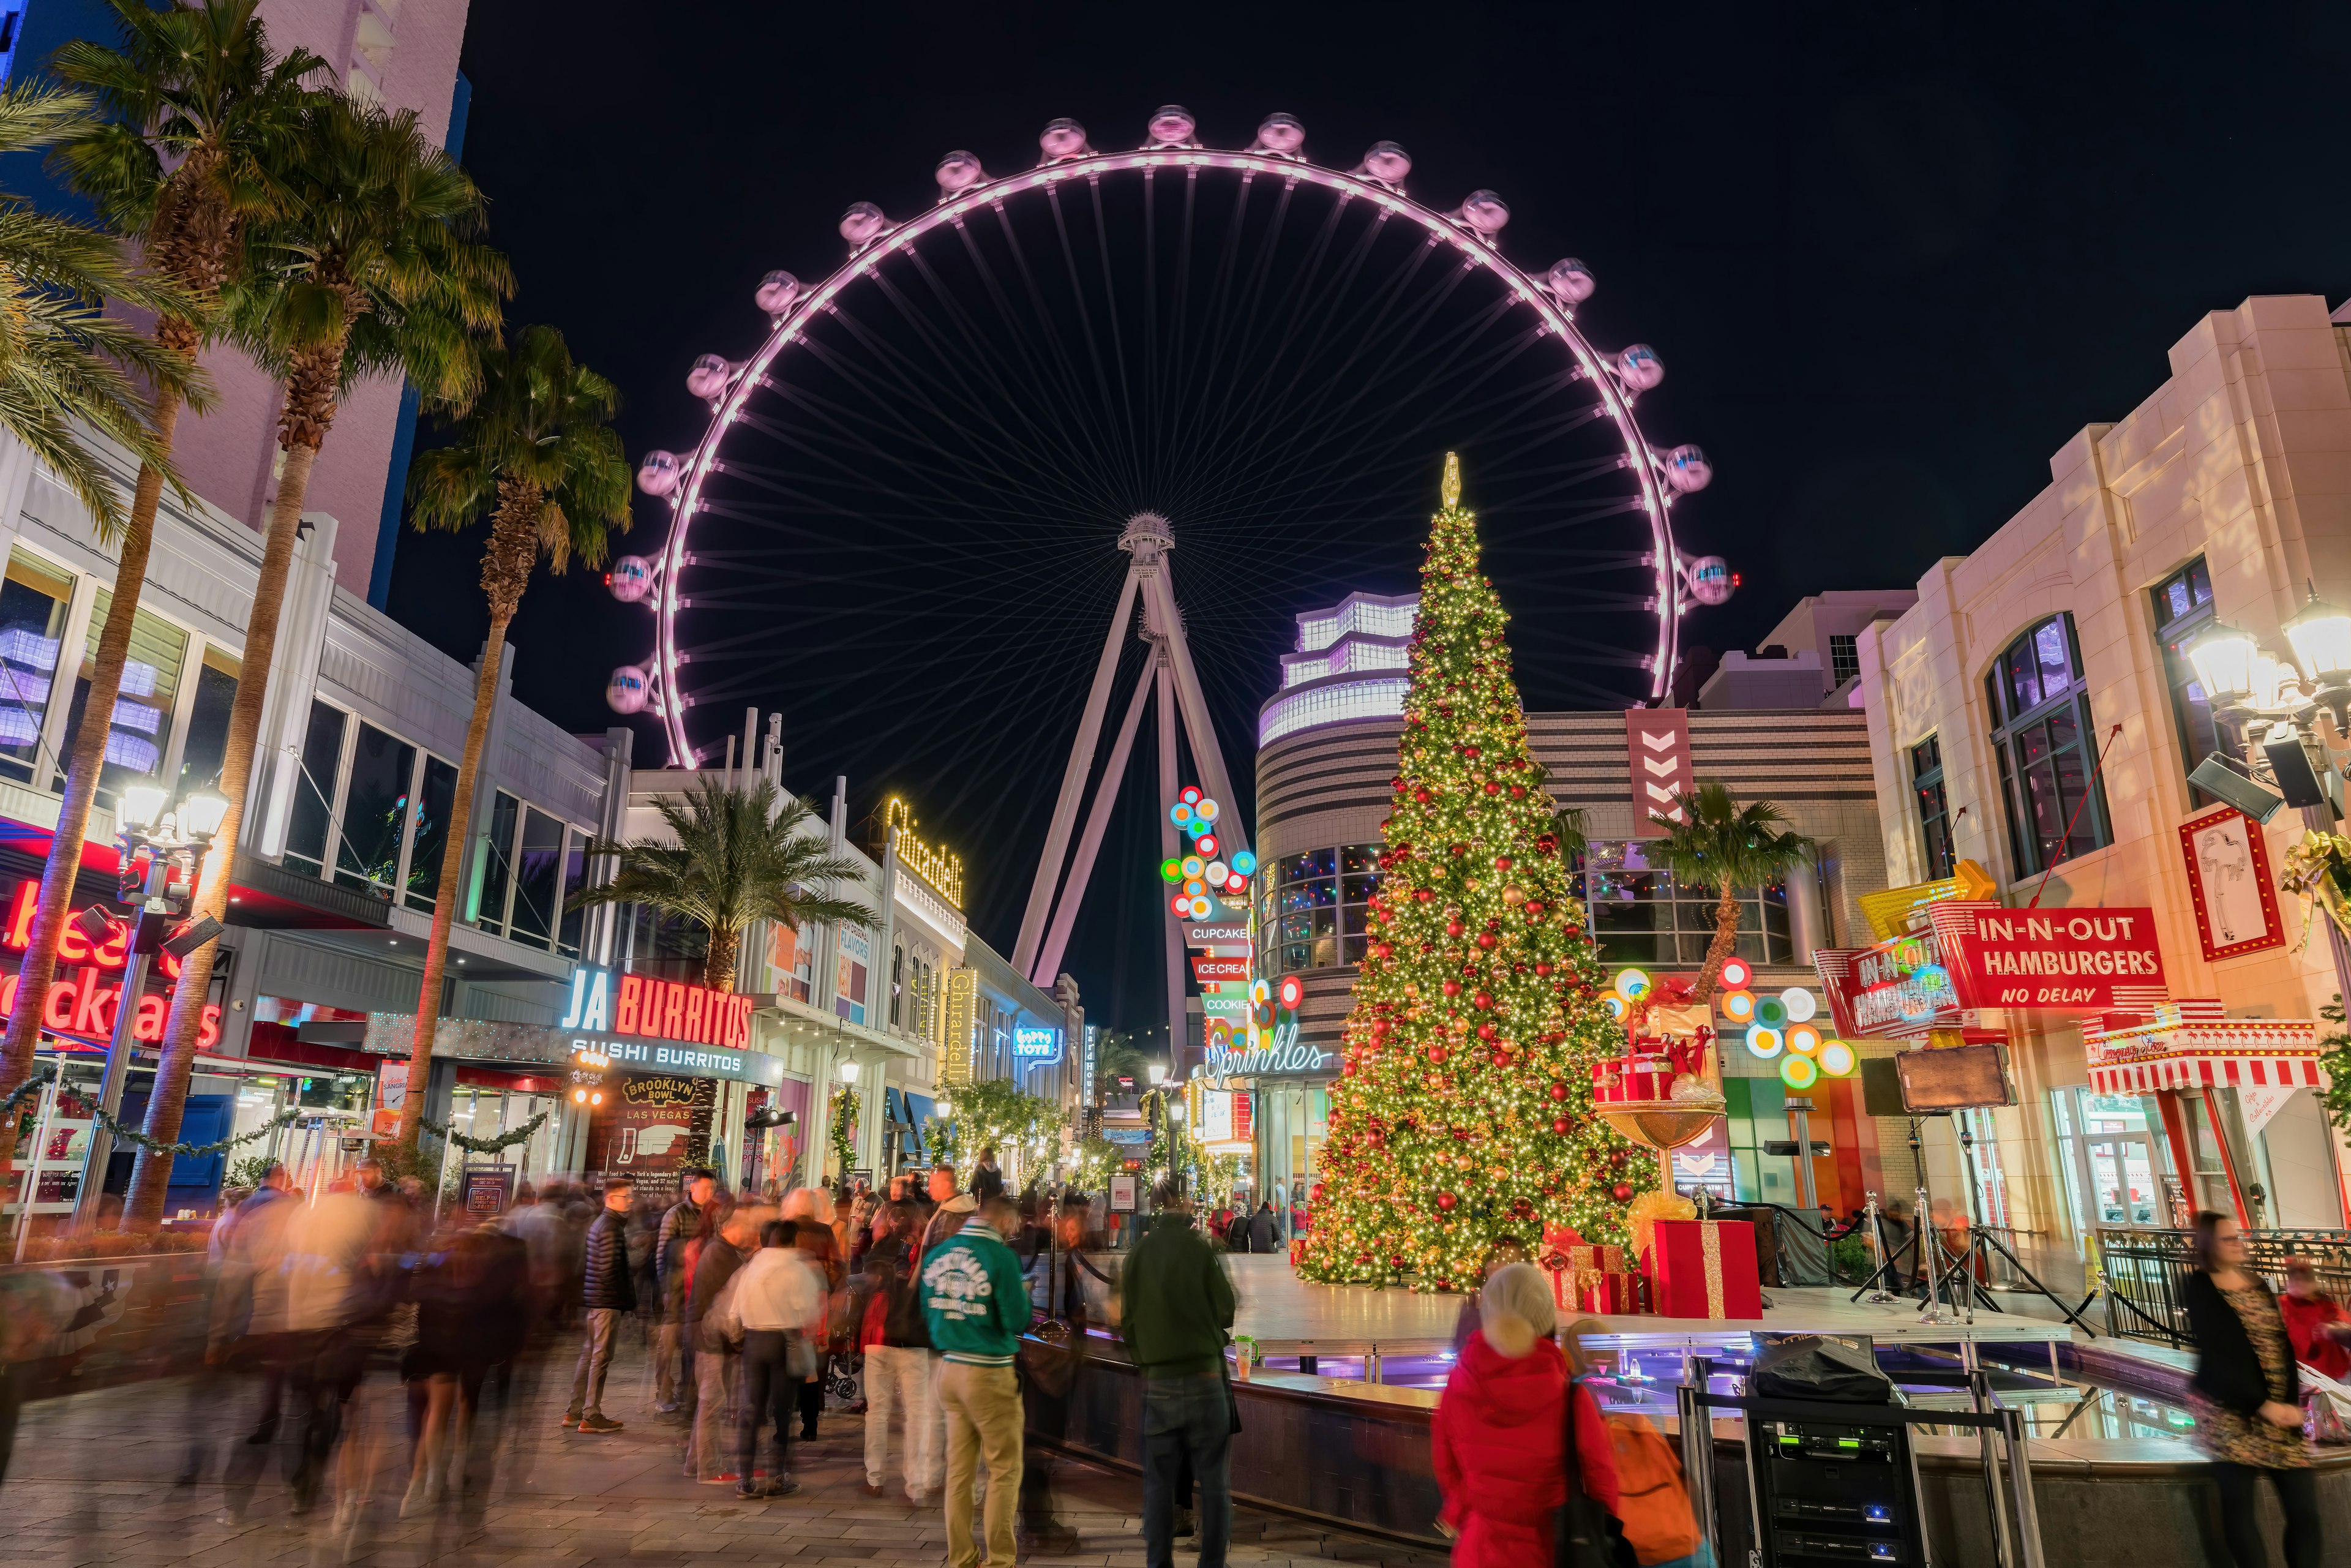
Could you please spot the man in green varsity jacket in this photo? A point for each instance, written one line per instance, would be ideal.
(976, 1302)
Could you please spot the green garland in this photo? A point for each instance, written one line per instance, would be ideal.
(127, 1134)
(485, 1145)
(844, 1115)
(18, 1095)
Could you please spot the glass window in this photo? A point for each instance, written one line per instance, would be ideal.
(375, 810)
(2183, 607)
(1845, 657)
(207, 743)
(34, 598)
(494, 864)
(435, 799)
(314, 790)
(2047, 748)
(1934, 806)
(141, 727)
(575, 875)
(538, 879)
(1640, 915)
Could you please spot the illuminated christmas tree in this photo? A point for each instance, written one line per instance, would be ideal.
(1463, 1109)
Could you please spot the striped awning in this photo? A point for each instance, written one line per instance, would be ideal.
(2201, 1071)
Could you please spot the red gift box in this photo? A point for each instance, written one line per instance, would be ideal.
(1613, 1293)
(1705, 1269)
(1297, 1252)
(1626, 1079)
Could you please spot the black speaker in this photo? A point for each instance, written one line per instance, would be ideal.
(2297, 780)
(1881, 1087)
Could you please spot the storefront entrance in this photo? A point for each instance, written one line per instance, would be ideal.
(2111, 1149)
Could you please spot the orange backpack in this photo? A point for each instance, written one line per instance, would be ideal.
(1653, 1503)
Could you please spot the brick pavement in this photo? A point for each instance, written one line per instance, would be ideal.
(92, 1482)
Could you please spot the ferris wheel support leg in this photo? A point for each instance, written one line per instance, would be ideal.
(1169, 837)
(1073, 782)
(1198, 728)
(1081, 865)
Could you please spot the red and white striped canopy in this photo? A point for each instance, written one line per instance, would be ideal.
(2189, 1070)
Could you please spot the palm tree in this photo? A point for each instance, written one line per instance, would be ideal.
(535, 452)
(737, 859)
(1721, 845)
(65, 362)
(373, 270)
(195, 112)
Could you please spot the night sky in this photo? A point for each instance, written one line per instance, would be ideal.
(1893, 257)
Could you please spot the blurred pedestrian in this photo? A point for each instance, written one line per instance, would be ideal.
(977, 1308)
(2316, 1322)
(1265, 1229)
(2245, 1395)
(1498, 1439)
(810, 1211)
(898, 1362)
(470, 1316)
(777, 1294)
(1176, 1309)
(674, 1382)
(606, 1291)
(986, 1181)
(1501, 1251)
(717, 1352)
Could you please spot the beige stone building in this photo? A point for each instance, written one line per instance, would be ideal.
(2033, 712)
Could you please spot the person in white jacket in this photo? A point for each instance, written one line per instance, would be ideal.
(780, 1301)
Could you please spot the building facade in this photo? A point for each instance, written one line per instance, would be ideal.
(2033, 712)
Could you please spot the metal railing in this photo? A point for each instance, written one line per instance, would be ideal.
(2145, 1270)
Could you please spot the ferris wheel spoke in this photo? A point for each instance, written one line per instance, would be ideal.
(909, 380)
(989, 405)
(1189, 363)
(1107, 442)
(1093, 339)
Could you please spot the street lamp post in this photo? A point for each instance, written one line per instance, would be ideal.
(2247, 688)
(174, 843)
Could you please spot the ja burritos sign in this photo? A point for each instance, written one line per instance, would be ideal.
(2050, 960)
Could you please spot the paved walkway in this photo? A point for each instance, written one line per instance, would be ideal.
(92, 1482)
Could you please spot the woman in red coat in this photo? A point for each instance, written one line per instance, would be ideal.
(1499, 1432)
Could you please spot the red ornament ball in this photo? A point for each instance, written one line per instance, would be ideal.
(1502, 1058)
(1318, 1192)
(1543, 969)
(1422, 894)
(1616, 1159)
(1384, 950)
(1486, 1031)
(1562, 1125)
(1482, 1000)
(1502, 863)
(1493, 788)
(1559, 1090)
(1447, 1201)
(1436, 1054)
(1451, 987)
(1454, 928)
(1422, 795)
(1486, 940)
(1621, 1193)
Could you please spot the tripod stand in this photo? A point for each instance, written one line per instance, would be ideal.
(1981, 1245)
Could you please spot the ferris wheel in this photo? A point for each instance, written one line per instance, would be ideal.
(1271, 353)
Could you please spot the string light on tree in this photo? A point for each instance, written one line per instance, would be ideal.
(1463, 1110)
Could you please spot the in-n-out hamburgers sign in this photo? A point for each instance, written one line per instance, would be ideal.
(1974, 956)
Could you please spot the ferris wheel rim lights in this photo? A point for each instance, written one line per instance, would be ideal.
(1472, 231)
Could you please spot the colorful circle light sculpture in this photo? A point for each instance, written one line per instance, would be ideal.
(1244, 863)
(1764, 1041)
(1189, 795)
(1171, 869)
(1194, 865)
(1181, 904)
(1206, 844)
(1235, 885)
(1260, 990)
(1291, 991)
(1800, 1003)
(1632, 984)
(1799, 1071)
(1206, 810)
(1770, 1012)
(702, 486)
(1194, 886)
(1180, 814)
(1614, 1004)
(1737, 973)
(1201, 907)
(1836, 1058)
(1802, 1038)
(1738, 1005)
